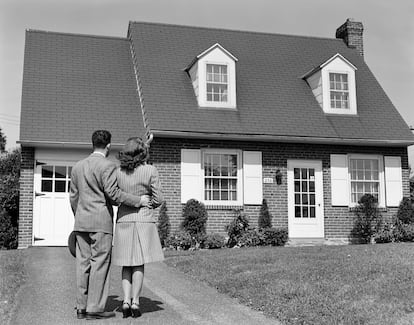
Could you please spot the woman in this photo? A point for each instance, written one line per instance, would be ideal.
(136, 239)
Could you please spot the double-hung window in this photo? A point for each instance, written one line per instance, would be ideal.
(222, 177)
(217, 83)
(365, 178)
(339, 90)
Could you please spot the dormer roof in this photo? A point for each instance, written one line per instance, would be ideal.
(325, 63)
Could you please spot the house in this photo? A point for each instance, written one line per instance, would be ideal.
(237, 117)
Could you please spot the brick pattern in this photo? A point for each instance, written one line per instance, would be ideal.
(351, 32)
(26, 198)
(166, 156)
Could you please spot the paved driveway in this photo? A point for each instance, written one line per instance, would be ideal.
(169, 297)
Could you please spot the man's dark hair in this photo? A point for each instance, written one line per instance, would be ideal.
(101, 138)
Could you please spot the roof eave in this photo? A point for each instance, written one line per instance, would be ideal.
(281, 138)
(58, 144)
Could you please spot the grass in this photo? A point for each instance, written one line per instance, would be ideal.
(12, 276)
(355, 284)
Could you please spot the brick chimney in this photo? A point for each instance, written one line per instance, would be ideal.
(351, 33)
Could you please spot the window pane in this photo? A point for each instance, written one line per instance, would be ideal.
(297, 212)
(46, 186)
(305, 212)
(312, 212)
(312, 199)
(297, 186)
(296, 173)
(304, 173)
(304, 199)
(60, 186)
(216, 195)
(297, 198)
(304, 186)
(60, 172)
(47, 171)
(312, 186)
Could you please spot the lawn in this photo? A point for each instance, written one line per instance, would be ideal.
(355, 284)
(12, 276)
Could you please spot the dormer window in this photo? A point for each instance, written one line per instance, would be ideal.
(217, 83)
(333, 85)
(213, 75)
(339, 90)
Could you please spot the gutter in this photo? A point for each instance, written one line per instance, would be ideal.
(280, 138)
(66, 145)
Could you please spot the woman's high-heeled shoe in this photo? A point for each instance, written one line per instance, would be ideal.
(126, 309)
(135, 311)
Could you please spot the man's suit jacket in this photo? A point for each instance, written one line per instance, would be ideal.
(93, 190)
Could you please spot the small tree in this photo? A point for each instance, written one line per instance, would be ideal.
(237, 228)
(368, 219)
(195, 218)
(265, 219)
(9, 198)
(406, 211)
(9, 184)
(2, 141)
(164, 225)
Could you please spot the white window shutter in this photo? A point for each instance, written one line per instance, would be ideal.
(252, 177)
(190, 175)
(339, 180)
(393, 181)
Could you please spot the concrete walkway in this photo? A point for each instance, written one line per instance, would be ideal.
(169, 297)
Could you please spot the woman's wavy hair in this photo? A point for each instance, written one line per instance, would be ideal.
(134, 153)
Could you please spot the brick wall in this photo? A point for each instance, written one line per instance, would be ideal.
(166, 156)
(26, 198)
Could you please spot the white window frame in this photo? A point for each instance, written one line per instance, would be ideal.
(381, 192)
(239, 200)
(227, 83)
(347, 91)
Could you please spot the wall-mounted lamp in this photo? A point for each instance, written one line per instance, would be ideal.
(278, 177)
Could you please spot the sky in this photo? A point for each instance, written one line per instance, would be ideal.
(388, 34)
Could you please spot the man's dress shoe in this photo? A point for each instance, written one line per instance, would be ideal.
(100, 315)
(81, 313)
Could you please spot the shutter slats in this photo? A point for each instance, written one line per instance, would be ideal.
(190, 175)
(393, 181)
(339, 180)
(252, 177)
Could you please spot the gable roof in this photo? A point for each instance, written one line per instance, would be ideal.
(75, 84)
(273, 101)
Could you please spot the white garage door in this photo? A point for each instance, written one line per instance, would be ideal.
(52, 218)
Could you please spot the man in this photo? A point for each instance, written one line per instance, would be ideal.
(93, 191)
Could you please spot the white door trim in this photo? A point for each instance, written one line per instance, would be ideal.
(306, 227)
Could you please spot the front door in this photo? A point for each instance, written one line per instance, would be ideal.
(52, 219)
(305, 199)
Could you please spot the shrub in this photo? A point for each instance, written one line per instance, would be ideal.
(236, 228)
(403, 232)
(163, 223)
(180, 240)
(265, 219)
(385, 234)
(195, 218)
(406, 211)
(368, 219)
(9, 184)
(274, 236)
(249, 238)
(213, 241)
(8, 232)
